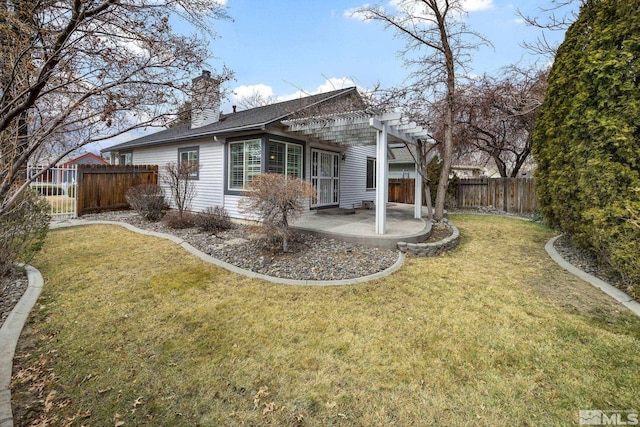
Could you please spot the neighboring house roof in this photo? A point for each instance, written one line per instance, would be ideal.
(401, 155)
(257, 118)
(87, 159)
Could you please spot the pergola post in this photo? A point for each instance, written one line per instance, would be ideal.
(417, 198)
(382, 180)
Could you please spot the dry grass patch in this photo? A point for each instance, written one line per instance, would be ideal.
(133, 329)
(61, 204)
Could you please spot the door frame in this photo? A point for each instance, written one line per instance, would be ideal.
(334, 178)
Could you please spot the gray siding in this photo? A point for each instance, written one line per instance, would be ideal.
(209, 186)
(353, 177)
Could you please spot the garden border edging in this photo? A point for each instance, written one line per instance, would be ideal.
(234, 269)
(9, 335)
(608, 289)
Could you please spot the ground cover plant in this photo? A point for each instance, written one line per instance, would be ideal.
(493, 333)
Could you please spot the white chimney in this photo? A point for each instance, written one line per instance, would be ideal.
(205, 100)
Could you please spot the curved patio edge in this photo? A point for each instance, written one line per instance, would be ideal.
(382, 241)
(608, 289)
(234, 269)
(435, 248)
(9, 335)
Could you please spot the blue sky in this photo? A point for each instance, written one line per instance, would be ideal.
(281, 46)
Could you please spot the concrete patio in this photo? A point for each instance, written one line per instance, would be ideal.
(359, 227)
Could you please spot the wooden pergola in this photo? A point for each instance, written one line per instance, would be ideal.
(353, 128)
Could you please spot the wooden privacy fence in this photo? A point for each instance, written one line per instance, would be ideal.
(402, 190)
(103, 187)
(516, 195)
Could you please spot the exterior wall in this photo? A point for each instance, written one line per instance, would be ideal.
(209, 186)
(353, 176)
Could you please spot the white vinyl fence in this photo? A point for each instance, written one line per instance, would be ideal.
(58, 185)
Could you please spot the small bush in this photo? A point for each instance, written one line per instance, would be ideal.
(538, 216)
(147, 200)
(214, 220)
(276, 200)
(23, 229)
(177, 220)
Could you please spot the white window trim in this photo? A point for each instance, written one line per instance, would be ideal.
(286, 157)
(244, 163)
(374, 169)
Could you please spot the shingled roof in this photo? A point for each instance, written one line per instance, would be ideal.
(252, 119)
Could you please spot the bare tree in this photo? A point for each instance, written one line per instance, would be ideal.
(558, 16)
(495, 118)
(256, 99)
(78, 72)
(438, 44)
(179, 178)
(277, 199)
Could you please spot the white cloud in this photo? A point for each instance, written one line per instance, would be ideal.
(335, 83)
(519, 21)
(244, 91)
(355, 13)
(265, 92)
(477, 5)
(332, 83)
(417, 8)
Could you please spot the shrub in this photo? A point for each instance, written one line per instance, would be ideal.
(147, 200)
(214, 220)
(179, 178)
(587, 135)
(276, 200)
(23, 229)
(177, 220)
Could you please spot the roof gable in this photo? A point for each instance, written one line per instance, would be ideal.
(251, 119)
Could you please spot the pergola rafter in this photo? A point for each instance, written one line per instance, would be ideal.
(364, 127)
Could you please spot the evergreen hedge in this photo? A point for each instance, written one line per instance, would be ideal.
(587, 136)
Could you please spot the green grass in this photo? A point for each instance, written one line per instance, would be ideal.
(133, 329)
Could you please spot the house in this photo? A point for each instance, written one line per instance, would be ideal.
(63, 174)
(330, 139)
(85, 159)
(468, 171)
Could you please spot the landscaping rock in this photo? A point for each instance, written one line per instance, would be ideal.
(310, 257)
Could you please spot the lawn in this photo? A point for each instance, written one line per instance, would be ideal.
(61, 204)
(132, 330)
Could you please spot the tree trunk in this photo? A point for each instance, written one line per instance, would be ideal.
(447, 155)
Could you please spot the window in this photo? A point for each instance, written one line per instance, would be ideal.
(125, 159)
(285, 158)
(371, 173)
(244, 163)
(190, 156)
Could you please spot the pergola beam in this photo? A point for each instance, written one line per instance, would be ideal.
(363, 128)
